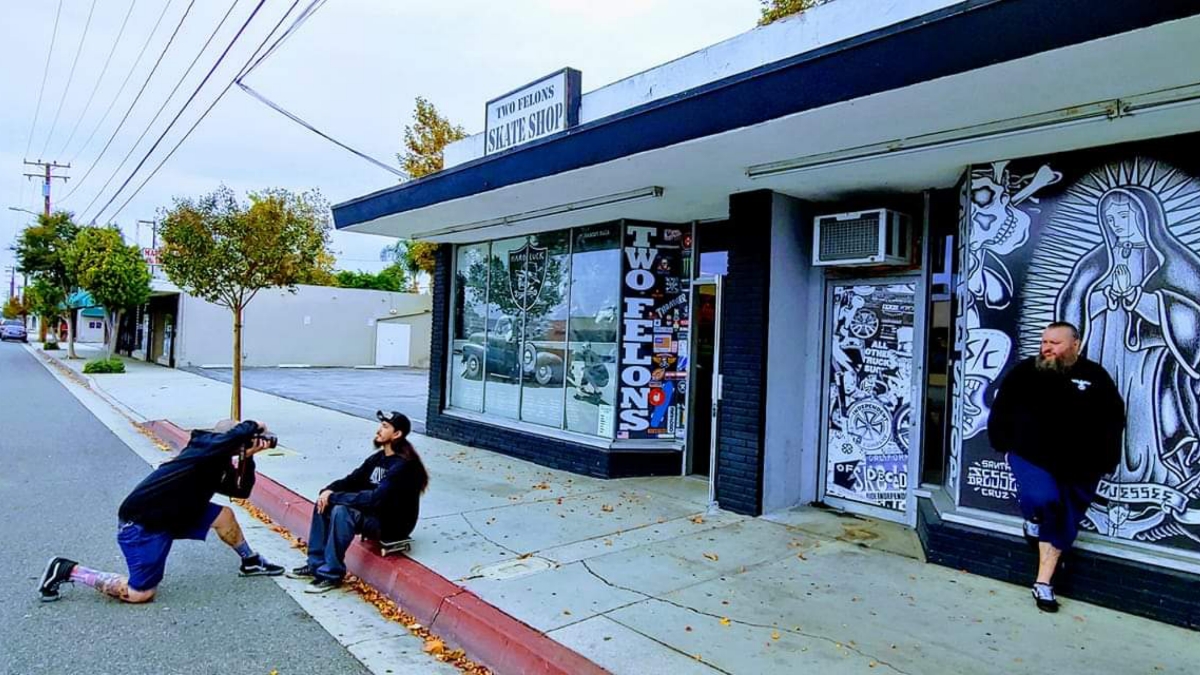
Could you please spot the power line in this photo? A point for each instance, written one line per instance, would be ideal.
(186, 103)
(241, 73)
(137, 98)
(70, 76)
(103, 71)
(163, 107)
(128, 76)
(45, 72)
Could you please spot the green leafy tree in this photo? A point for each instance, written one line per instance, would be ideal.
(13, 308)
(114, 274)
(45, 301)
(425, 142)
(391, 278)
(41, 252)
(774, 10)
(225, 251)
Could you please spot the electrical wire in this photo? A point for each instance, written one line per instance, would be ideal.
(103, 71)
(70, 76)
(163, 107)
(45, 73)
(96, 161)
(163, 135)
(121, 89)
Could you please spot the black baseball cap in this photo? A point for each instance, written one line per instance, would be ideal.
(398, 420)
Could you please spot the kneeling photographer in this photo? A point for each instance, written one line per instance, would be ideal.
(173, 503)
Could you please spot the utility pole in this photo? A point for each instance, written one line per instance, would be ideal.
(47, 177)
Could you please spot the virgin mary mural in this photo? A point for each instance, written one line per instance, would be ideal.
(1134, 300)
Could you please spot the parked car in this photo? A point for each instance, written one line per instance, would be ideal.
(13, 329)
(506, 356)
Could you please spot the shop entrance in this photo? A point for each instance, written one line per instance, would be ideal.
(704, 380)
(871, 399)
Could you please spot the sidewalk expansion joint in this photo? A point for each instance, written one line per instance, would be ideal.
(751, 624)
(692, 657)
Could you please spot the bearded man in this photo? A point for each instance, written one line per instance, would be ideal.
(1058, 418)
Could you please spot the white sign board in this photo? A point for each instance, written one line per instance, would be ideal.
(534, 111)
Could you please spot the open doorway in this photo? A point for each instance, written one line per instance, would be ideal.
(704, 380)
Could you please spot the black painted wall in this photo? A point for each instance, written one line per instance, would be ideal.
(742, 418)
(555, 453)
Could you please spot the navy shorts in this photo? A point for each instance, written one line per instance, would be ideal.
(146, 550)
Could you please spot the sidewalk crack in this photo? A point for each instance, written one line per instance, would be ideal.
(486, 538)
(752, 624)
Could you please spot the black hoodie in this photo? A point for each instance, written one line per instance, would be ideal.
(173, 497)
(1068, 423)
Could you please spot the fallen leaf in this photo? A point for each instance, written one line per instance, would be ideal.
(724, 621)
(711, 556)
(434, 646)
(567, 612)
(699, 520)
(801, 556)
(606, 508)
(774, 635)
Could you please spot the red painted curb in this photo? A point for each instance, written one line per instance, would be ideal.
(458, 616)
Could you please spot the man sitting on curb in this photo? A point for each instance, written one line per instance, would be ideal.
(173, 503)
(380, 500)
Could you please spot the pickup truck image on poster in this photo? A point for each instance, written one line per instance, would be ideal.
(870, 392)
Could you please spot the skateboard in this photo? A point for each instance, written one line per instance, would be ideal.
(387, 548)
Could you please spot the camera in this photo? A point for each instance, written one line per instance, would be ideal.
(271, 440)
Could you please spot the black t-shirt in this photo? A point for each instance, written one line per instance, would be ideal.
(173, 497)
(385, 488)
(1069, 423)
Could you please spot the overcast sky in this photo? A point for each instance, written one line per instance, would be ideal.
(352, 71)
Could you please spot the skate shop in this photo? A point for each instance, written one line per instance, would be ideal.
(790, 267)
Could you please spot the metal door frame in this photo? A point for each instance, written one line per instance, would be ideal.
(916, 409)
(715, 281)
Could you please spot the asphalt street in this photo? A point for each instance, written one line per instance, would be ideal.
(354, 391)
(65, 474)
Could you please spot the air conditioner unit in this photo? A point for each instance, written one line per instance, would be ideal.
(861, 238)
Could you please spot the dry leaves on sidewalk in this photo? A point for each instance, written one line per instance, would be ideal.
(711, 556)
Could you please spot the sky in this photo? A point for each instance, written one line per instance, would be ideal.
(352, 70)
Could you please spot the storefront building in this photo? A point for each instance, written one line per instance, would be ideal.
(801, 273)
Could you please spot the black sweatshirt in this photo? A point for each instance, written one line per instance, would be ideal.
(173, 497)
(1068, 423)
(385, 489)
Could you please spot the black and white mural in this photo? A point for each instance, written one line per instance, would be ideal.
(870, 394)
(1111, 243)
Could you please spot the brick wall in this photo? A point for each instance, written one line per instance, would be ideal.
(552, 452)
(1124, 585)
(742, 418)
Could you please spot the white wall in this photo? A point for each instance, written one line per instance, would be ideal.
(815, 28)
(791, 465)
(420, 338)
(316, 326)
(86, 332)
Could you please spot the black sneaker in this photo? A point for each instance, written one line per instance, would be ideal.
(1043, 596)
(302, 572)
(57, 572)
(322, 585)
(257, 566)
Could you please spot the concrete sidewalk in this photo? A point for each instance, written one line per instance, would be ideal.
(633, 575)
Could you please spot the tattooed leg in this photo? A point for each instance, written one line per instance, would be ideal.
(111, 584)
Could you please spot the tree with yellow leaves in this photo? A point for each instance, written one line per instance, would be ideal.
(774, 10)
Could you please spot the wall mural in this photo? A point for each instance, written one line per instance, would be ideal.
(1111, 246)
(870, 397)
(654, 339)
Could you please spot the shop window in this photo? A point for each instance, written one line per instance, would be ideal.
(505, 325)
(541, 274)
(592, 332)
(470, 328)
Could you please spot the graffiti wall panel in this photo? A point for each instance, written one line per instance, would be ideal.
(870, 392)
(1111, 243)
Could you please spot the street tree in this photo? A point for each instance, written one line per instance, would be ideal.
(774, 10)
(425, 142)
(225, 251)
(113, 273)
(45, 301)
(41, 253)
(13, 308)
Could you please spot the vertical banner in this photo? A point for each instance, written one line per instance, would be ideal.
(654, 322)
(1108, 240)
(870, 394)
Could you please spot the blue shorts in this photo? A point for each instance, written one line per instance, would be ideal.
(146, 550)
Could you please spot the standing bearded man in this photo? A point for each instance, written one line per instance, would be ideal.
(1058, 418)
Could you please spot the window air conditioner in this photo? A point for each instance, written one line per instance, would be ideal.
(860, 238)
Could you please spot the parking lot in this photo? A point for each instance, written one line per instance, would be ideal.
(354, 391)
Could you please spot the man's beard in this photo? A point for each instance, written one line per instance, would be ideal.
(1053, 364)
(378, 444)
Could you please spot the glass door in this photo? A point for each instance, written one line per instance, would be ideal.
(871, 396)
(704, 380)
